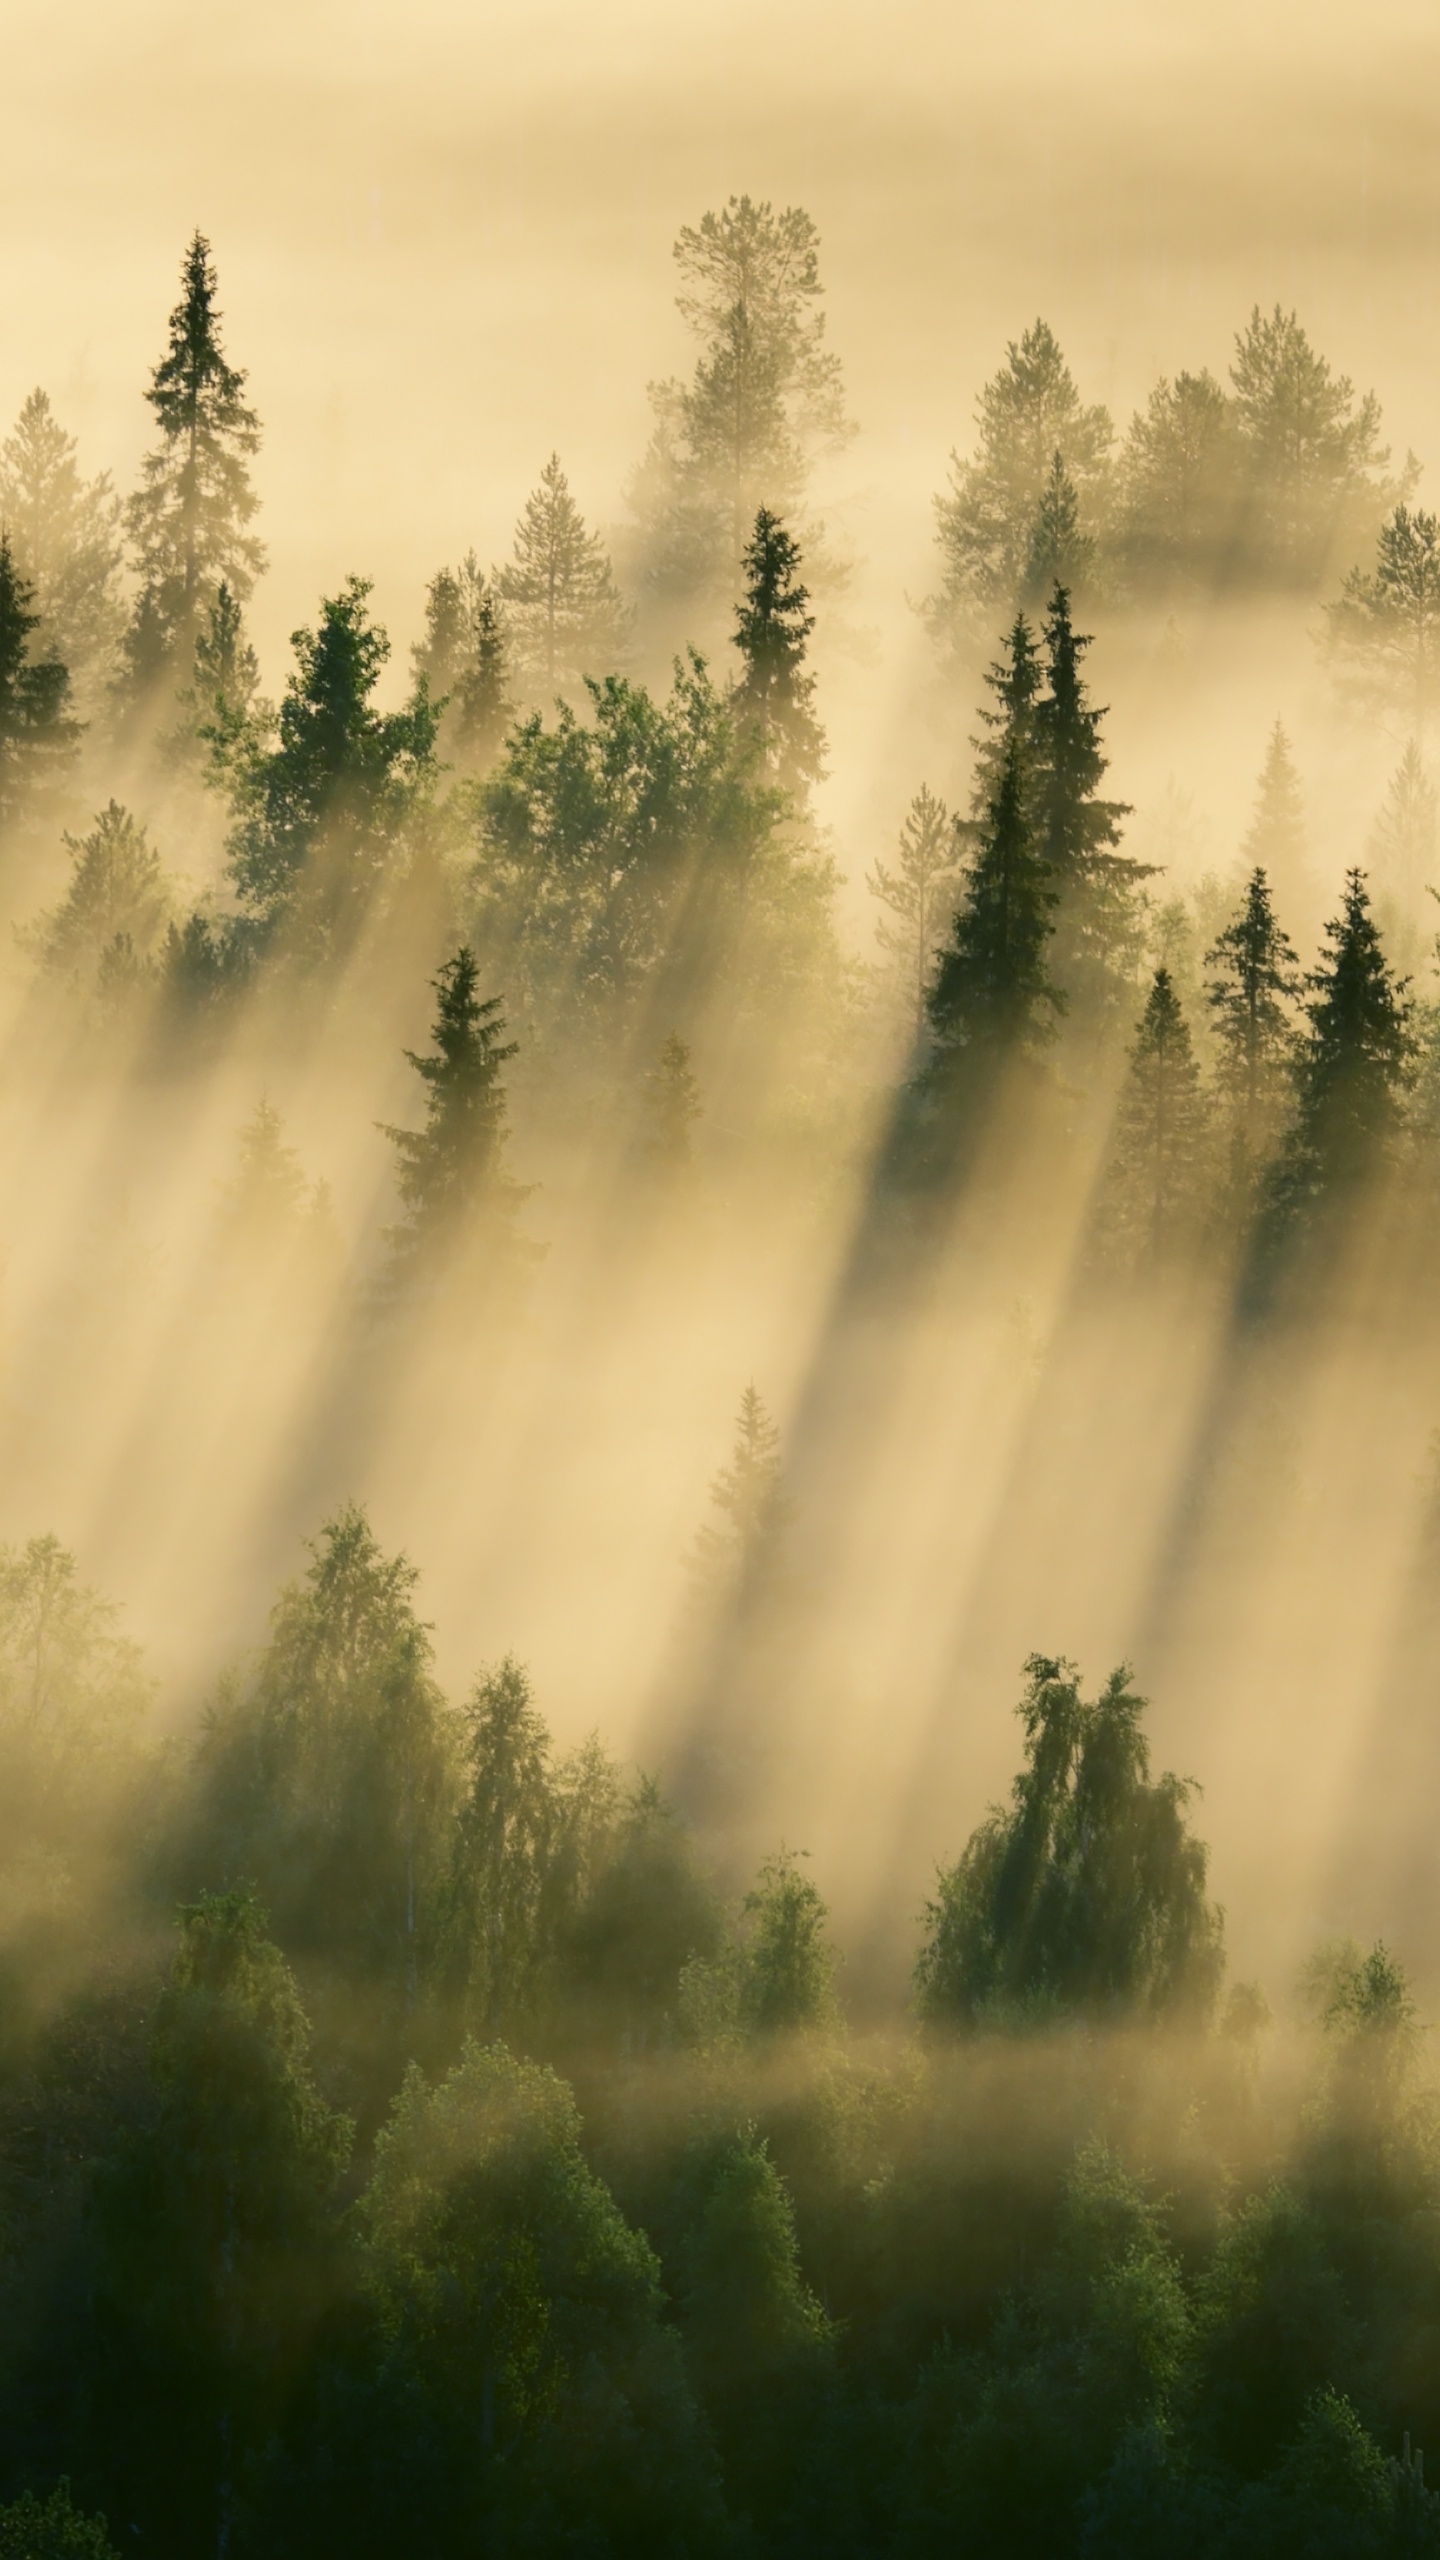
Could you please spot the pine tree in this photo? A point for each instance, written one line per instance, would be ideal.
(1314, 468)
(187, 521)
(458, 1200)
(764, 401)
(747, 1495)
(565, 612)
(672, 1107)
(1251, 996)
(36, 730)
(985, 522)
(1016, 682)
(1353, 1066)
(1384, 629)
(1179, 489)
(65, 532)
(1275, 841)
(1060, 553)
(992, 998)
(1097, 924)
(323, 794)
(919, 893)
(775, 696)
(1402, 850)
(1160, 1150)
(464, 658)
(117, 888)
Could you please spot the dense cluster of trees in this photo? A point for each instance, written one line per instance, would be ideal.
(413, 2136)
(462, 2164)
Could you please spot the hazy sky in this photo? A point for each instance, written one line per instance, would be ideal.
(443, 231)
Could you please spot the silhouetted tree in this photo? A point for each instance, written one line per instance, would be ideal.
(1351, 1071)
(747, 1495)
(1252, 995)
(775, 695)
(1384, 630)
(37, 733)
(919, 894)
(1060, 552)
(1097, 889)
(1088, 1894)
(464, 659)
(565, 614)
(1402, 850)
(1161, 1146)
(458, 1201)
(187, 521)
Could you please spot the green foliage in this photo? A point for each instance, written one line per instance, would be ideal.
(1097, 889)
(37, 733)
(1159, 1166)
(1027, 415)
(1351, 1072)
(324, 793)
(464, 662)
(1251, 996)
(565, 615)
(187, 521)
(118, 890)
(775, 697)
(789, 1968)
(73, 1691)
(1384, 628)
(1089, 1894)
(52, 2529)
(992, 999)
(1060, 552)
(458, 1202)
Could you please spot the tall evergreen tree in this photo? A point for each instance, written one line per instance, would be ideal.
(566, 615)
(187, 521)
(1252, 995)
(65, 532)
(1155, 1190)
(1352, 1069)
(1404, 847)
(1026, 414)
(672, 1107)
(323, 793)
(1060, 552)
(1178, 484)
(458, 1201)
(1015, 681)
(1097, 889)
(495, 1935)
(992, 997)
(36, 730)
(775, 695)
(118, 886)
(764, 401)
(1384, 628)
(1315, 473)
(747, 1495)
(464, 659)
(1276, 840)
(918, 894)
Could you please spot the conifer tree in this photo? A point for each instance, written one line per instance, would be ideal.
(775, 695)
(1097, 924)
(1016, 681)
(992, 997)
(323, 792)
(764, 401)
(36, 730)
(565, 612)
(1314, 468)
(65, 532)
(748, 1497)
(1276, 841)
(464, 659)
(1178, 481)
(1353, 1065)
(494, 1926)
(187, 521)
(1252, 997)
(919, 893)
(1026, 414)
(1403, 851)
(118, 887)
(1384, 628)
(1160, 1151)
(457, 1198)
(1060, 552)
(672, 1107)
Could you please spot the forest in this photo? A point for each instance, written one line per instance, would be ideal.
(583, 1987)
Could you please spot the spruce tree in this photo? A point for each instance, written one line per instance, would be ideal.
(1060, 552)
(1160, 1151)
(36, 730)
(187, 521)
(1403, 850)
(753, 1510)
(458, 1201)
(1275, 841)
(1026, 414)
(65, 532)
(775, 695)
(919, 893)
(1097, 923)
(992, 997)
(464, 658)
(1384, 628)
(566, 615)
(1353, 1066)
(1179, 486)
(1016, 682)
(1252, 998)
(672, 1107)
